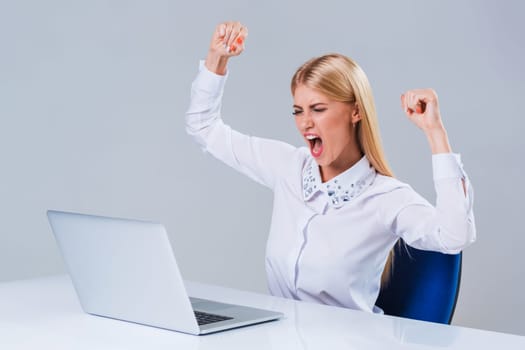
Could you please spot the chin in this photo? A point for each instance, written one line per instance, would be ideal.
(322, 161)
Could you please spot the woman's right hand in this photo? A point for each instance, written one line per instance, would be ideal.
(227, 41)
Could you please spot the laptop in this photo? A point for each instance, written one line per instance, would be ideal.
(125, 269)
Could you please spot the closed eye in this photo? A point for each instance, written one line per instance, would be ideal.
(299, 111)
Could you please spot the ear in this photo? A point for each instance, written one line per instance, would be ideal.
(356, 116)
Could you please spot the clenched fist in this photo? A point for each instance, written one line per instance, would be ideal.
(227, 40)
(422, 108)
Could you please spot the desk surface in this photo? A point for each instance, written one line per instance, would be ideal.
(44, 313)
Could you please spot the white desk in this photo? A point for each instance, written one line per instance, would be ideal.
(44, 313)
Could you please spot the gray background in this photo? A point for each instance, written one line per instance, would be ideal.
(92, 102)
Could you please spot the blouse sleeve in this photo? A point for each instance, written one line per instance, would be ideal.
(262, 160)
(447, 227)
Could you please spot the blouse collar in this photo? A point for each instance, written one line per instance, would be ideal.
(341, 189)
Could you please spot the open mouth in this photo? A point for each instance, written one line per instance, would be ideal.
(316, 145)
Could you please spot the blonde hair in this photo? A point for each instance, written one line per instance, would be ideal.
(341, 79)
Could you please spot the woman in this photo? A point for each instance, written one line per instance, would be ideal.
(337, 211)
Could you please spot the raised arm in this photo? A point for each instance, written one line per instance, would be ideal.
(262, 160)
(448, 226)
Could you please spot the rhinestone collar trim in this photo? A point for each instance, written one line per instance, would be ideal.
(343, 188)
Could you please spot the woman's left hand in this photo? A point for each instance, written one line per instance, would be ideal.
(422, 108)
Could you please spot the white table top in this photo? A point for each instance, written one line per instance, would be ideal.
(44, 313)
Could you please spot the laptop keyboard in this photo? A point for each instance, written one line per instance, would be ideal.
(205, 318)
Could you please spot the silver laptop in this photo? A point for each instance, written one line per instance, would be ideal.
(125, 269)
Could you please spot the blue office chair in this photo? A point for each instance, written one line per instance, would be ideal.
(423, 285)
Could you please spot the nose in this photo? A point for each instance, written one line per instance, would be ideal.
(305, 122)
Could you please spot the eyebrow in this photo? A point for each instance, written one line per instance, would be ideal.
(311, 106)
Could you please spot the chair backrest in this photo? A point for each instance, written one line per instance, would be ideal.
(423, 285)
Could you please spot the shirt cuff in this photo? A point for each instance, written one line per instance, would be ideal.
(447, 165)
(209, 81)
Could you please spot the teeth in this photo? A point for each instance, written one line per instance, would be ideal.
(311, 137)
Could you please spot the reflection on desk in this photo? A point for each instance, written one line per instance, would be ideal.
(45, 313)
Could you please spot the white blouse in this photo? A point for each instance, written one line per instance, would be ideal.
(329, 242)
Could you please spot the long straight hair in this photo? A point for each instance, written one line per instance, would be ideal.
(341, 79)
